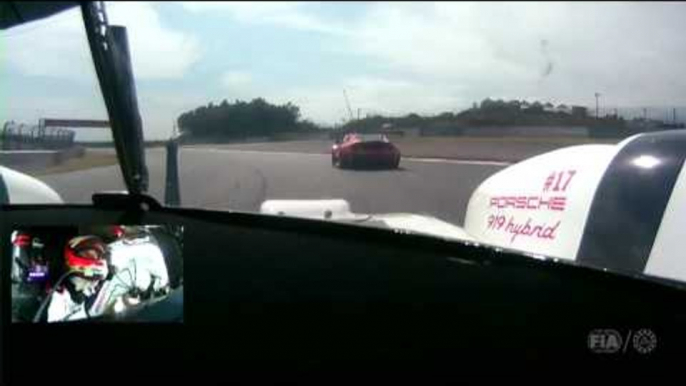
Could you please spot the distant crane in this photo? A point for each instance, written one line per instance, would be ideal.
(347, 103)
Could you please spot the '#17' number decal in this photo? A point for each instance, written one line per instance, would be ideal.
(558, 181)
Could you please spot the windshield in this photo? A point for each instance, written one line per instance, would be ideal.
(260, 92)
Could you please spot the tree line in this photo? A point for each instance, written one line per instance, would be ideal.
(259, 118)
(490, 112)
(242, 119)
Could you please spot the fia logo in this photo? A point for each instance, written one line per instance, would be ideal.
(605, 341)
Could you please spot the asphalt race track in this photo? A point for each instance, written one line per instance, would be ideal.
(242, 180)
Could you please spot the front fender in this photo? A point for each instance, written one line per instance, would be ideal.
(20, 188)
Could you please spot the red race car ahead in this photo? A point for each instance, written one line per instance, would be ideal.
(357, 150)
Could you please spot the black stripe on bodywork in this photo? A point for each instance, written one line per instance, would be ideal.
(628, 206)
(4, 193)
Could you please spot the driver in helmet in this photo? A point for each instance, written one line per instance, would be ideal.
(107, 273)
(86, 261)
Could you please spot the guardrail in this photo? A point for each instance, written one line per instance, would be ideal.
(28, 160)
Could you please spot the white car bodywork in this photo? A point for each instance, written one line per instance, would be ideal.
(525, 179)
(314, 209)
(666, 257)
(339, 210)
(502, 206)
(24, 189)
(543, 206)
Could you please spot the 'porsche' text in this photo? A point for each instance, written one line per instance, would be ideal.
(529, 202)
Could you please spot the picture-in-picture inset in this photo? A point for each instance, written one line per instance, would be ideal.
(103, 272)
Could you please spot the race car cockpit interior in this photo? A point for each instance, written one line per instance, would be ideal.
(127, 282)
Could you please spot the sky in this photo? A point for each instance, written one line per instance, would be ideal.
(391, 58)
